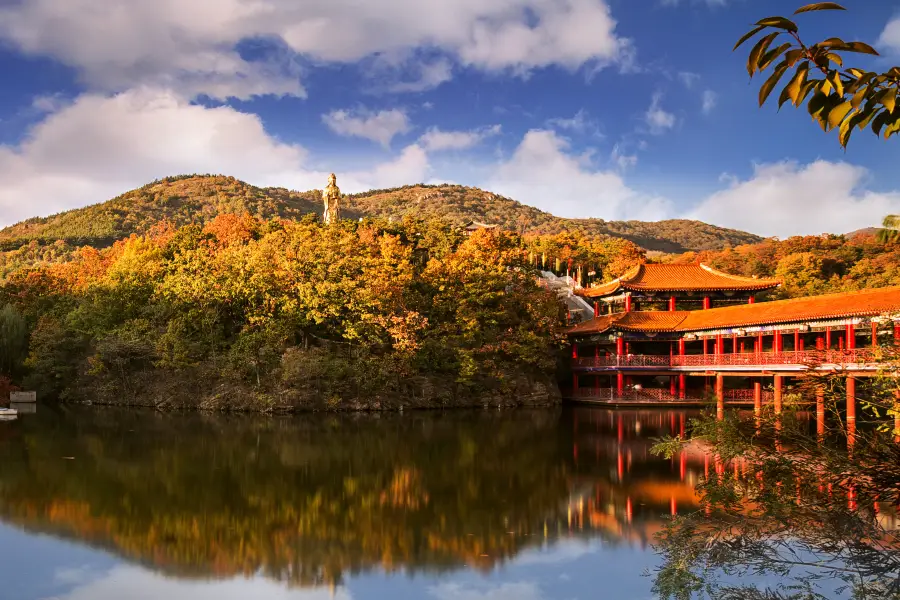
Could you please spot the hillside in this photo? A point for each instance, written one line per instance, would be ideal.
(199, 198)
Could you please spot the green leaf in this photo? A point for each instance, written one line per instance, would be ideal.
(837, 114)
(761, 46)
(793, 56)
(858, 97)
(835, 78)
(867, 114)
(804, 91)
(880, 121)
(747, 36)
(859, 47)
(795, 87)
(771, 55)
(816, 103)
(835, 58)
(835, 41)
(819, 6)
(888, 98)
(770, 83)
(845, 133)
(778, 22)
(893, 128)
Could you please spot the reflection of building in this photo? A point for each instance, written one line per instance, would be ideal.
(650, 334)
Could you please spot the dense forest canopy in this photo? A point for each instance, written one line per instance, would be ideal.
(246, 313)
(199, 198)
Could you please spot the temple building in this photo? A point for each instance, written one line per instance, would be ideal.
(649, 346)
(473, 226)
(675, 287)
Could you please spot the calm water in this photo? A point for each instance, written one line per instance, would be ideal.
(100, 504)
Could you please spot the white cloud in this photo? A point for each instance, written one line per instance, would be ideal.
(709, 3)
(621, 160)
(580, 123)
(542, 173)
(98, 147)
(435, 139)
(710, 100)
(890, 37)
(688, 79)
(658, 120)
(424, 76)
(379, 127)
(196, 47)
(504, 591)
(139, 584)
(786, 199)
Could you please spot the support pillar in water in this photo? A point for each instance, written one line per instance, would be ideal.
(851, 410)
(720, 396)
(820, 411)
(779, 393)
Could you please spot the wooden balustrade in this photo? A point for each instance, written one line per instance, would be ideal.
(663, 395)
(746, 359)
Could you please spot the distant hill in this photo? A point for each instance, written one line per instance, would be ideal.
(199, 198)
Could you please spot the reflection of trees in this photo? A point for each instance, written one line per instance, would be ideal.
(814, 518)
(304, 500)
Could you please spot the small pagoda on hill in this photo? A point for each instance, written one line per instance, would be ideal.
(675, 287)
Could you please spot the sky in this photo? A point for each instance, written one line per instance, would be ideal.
(615, 109)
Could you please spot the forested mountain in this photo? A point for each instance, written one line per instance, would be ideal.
(199, 198)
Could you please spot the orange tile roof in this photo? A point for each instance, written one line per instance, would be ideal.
(662, 278)
(866, 303)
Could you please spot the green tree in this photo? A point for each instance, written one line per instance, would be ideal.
(13, 340)
(837, 97)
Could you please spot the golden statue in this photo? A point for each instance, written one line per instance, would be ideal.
(331, 195)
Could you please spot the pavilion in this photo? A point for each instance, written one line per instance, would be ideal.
(628, 356)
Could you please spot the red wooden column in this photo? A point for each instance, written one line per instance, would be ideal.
(751, 300)
(851, 410)
(672, 389)
(828, 338)
(874, 334)
(574, 375)
(627, 302)
(720, 396)
(897, 416)
(820, 411)
(779, 391)
(682, 383)
(734, 343)
(757, 397)
(707, 303)
(796, 340)
(596, 309)
(759, 342)
(620, 346)
(671, 303)
(851, 336)
(620, 383)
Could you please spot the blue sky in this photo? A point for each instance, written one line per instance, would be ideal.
(618, 109)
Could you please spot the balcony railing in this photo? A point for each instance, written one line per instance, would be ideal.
(663, 395)
(855, 357)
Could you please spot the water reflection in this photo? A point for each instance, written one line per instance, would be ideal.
(316, 502)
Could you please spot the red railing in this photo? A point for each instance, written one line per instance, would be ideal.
(746, 359)
(663, 395)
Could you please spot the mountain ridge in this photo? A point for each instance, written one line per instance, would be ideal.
(199, 198)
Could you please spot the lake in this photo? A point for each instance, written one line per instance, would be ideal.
(106, 504)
